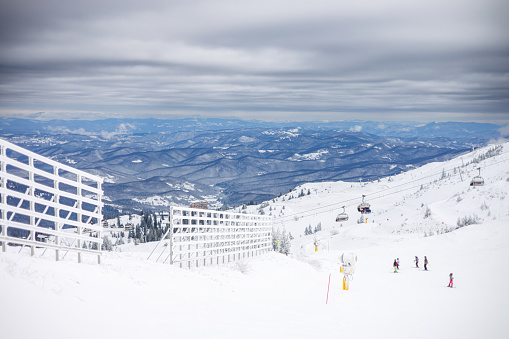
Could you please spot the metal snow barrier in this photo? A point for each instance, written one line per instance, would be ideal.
(45, 204)
(198, 237)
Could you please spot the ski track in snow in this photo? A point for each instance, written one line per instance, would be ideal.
(277, 296)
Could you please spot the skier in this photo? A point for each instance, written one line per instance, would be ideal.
(416, 262)
(398, 263)
(395, 266)
(425, 263)
(450, 280)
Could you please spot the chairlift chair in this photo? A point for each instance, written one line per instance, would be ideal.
(364, 207)
(477, 180)
(342, 216)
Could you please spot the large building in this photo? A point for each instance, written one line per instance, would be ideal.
(199, 204)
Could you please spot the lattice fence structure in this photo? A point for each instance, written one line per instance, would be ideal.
(198, 237)
(46, 204)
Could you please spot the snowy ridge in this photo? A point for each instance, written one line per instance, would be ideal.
(402, 200)
(277, 296)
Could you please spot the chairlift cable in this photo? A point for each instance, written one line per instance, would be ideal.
(345, 202)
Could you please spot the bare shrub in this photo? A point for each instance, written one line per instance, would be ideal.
(242, 266)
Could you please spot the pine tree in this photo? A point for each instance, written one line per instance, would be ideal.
(285, 243)
(318, 227)
(106, 246)
(276, 236)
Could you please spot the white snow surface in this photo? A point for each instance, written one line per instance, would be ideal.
(278, 296)
(308, 156)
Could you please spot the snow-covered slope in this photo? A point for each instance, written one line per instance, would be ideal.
(422, 202)
(277, 296)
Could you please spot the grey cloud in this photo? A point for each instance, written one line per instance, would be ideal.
(288, 59)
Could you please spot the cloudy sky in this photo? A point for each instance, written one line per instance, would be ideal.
(444, 60)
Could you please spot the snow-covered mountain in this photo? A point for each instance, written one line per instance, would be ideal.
(422, 201)
(428, 211)
(164, 162)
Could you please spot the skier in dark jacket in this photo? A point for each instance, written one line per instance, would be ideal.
(450, 280)
(396, 266)
(425, 263)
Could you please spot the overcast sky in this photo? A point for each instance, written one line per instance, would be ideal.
(443, 60)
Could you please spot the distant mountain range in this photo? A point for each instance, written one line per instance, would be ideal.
(150, 164)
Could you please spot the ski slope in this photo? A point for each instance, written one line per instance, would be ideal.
(278, 296)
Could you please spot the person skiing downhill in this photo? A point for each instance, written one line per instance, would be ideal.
(416, 262)
(425, 263)
(450, 280)
(397, 260)
(395, 266)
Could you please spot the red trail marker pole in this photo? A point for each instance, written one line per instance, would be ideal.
(328, 291)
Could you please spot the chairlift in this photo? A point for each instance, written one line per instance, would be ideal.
(364, 207)
(342, 216)
(477, 180)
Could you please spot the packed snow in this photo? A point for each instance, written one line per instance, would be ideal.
(416, 213)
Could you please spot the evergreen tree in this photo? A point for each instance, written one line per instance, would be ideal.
(137, 233)
(318, 227)
(285, 243)
(106, 246)
(443, 174)
(276, 236)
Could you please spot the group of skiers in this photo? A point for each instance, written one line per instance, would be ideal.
(425, 262)
(396, 263)
(416, 260)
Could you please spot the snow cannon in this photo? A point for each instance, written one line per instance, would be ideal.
(348, 258)
(348, 262)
